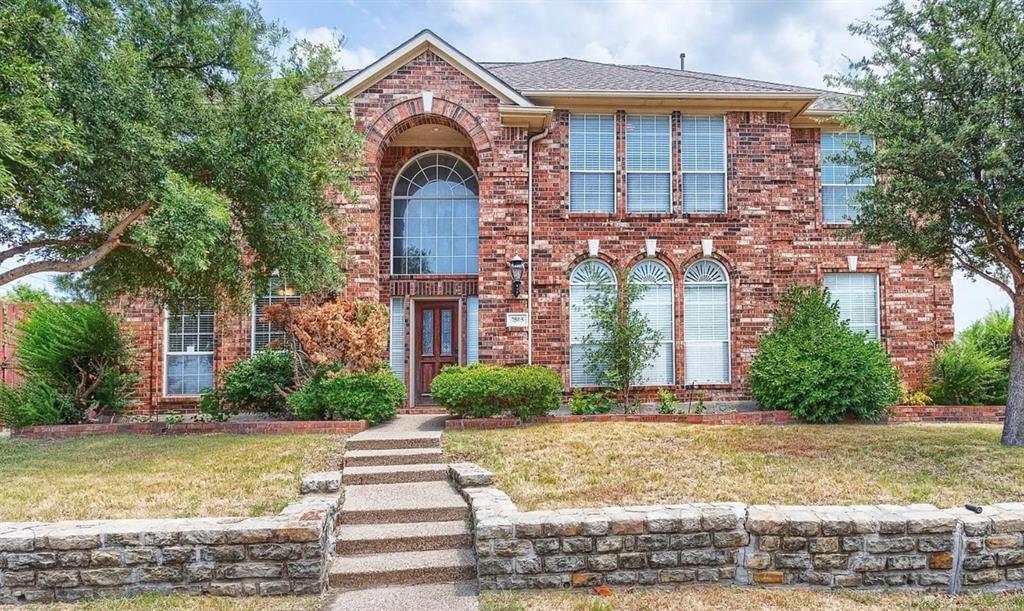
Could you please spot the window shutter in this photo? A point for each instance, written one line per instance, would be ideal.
(397, 339)
(472, 330)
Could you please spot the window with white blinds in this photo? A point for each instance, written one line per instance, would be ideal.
(188, 351)
(838, 186)
(591, 163)
(706, 323)
(648, 163)
(857, 296)
(396, 347)
(656, 304)
(264, 332)
(702, 150)
(587, 279)
(472, 330)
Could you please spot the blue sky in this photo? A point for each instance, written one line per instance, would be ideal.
(789, 41)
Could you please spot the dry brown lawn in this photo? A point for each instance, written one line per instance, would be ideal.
(717, 598)
(595, 464)
(122, 476)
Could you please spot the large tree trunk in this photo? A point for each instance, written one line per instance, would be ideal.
(1013, 428)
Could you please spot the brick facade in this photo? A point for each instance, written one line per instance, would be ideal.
(771, 236)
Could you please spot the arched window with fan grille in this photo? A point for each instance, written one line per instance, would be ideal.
(589, 278)
(656, 304)
(706, 323)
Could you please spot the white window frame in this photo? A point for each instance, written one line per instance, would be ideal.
(728, 319)
(878, 297)
(668, 172)
(572, 342)
(168, 354)
(615, 163)
(255, 313)
(724, 171)
(671, 340)
(834, 185)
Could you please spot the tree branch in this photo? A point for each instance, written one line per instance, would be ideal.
(112, 241)
(34, 244)
(962, 260)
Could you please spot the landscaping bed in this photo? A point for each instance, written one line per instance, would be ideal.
(600, 464)
(714, 598)
(120, 476)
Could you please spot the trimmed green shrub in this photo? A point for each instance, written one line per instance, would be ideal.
(479, 391)
(75, 362)
(812, 365)
(257, 384)
(332, 395)
(974, 368)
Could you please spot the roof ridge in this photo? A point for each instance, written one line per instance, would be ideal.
(708, 76)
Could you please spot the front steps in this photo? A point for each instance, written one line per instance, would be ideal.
(402, 529)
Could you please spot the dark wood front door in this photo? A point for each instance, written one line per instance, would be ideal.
(437, 341)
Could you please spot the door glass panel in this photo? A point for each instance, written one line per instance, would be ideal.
(446, 332)
(428, 333)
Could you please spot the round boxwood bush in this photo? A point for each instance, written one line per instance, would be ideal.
(336, 395)
(479, 391)
(256, 384)
(812, 365)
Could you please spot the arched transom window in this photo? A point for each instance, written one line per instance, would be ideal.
(589, 279)
(435, 217)
(706, 323)
(656, 304)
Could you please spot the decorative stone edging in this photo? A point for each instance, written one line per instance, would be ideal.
(899, 414)
(241, 427)
(68, 561)
(913, 547)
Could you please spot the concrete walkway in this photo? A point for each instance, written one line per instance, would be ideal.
(403, 540)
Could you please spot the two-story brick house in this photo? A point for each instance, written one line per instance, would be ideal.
(717, 192)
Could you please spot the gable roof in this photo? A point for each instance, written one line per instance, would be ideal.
(412, 48)
(519, 81)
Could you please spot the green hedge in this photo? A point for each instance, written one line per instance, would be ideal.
(974, 368)
(813, 365)
(479, 391)
(329, 395)
(253, 385)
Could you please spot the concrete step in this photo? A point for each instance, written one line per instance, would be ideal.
(407, 537)
(393, 503)
(459, 596)
(393, 474)
(414, 456)
(402, 568)
(398, 441)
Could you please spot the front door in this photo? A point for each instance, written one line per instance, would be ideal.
(437, 342)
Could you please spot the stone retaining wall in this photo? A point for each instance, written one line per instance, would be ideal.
(68, 561)
(914, 547)
(240, 427)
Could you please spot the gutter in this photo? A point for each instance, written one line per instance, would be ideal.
(529, 244)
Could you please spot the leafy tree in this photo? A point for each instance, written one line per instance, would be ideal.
(166, 147)
(24, 293)
(621, 342)
(943, 93)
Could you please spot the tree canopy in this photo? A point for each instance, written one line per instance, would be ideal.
(943, 93)
(167, 148)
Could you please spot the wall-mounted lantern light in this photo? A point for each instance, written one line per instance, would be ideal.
(516, 267)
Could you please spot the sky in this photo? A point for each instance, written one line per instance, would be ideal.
(796, 42)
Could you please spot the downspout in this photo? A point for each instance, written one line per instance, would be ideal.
(529, 244)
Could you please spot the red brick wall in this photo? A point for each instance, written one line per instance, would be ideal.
(771, 237)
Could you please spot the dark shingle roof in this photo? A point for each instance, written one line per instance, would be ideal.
(567, 74)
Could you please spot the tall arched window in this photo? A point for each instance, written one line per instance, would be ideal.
(435, 217)
(706, 323)
(589, 278)
(656, 304)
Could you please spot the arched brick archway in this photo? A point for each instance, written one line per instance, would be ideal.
(411, 113)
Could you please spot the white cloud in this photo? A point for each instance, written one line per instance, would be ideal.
(349, 58)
